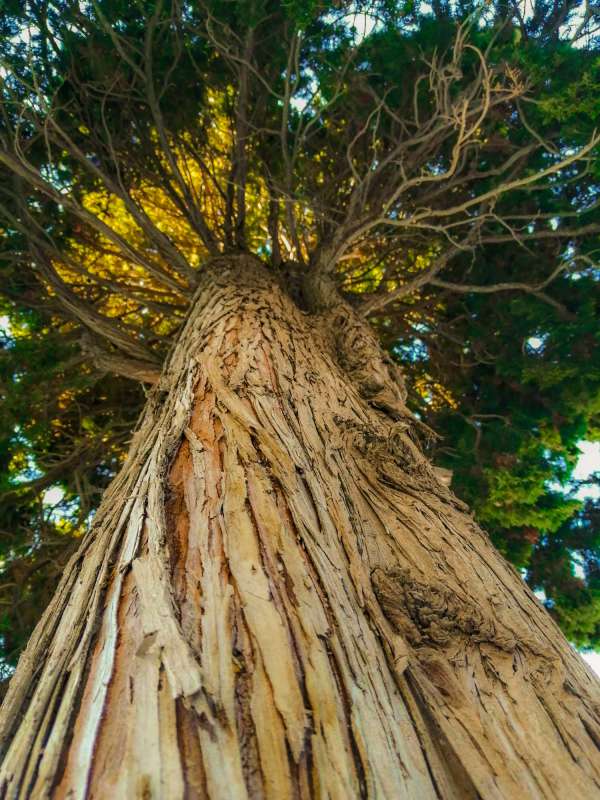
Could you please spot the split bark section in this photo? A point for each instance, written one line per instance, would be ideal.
(278, 598)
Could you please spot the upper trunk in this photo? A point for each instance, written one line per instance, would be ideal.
(279, 599)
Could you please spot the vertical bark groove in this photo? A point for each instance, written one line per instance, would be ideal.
(279, 599)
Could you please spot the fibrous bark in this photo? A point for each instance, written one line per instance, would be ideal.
(279, 598)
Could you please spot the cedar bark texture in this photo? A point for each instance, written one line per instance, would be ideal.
(278, 598)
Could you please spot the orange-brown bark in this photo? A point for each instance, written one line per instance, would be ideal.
(279, 599)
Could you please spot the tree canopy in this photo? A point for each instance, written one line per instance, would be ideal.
(433, 165)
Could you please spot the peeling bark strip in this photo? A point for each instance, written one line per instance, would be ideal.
(279, 599)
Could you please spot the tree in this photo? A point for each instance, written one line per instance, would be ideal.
(279, 595)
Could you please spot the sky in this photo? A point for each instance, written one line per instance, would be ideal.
(589, 462)
(593, 659)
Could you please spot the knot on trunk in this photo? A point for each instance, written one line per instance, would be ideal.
(356, 349)
(427, 614)
(440, 624)
(359, 354)
(387, 447)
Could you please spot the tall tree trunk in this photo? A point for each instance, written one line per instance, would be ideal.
(279, 599)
